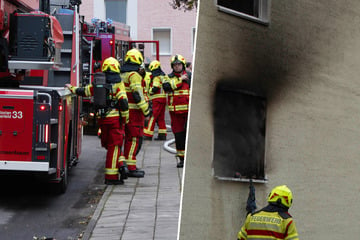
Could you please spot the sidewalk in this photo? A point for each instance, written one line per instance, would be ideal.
(142, 208)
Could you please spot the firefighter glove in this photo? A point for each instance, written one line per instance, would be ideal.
(167, 87)
(148, 112)
(184, 78)
(154, 90)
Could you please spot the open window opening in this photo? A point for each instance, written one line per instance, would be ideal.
(239, 144)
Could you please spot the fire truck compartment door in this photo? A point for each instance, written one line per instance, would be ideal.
(16, 125)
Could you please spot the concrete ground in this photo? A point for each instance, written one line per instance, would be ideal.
(142, 208)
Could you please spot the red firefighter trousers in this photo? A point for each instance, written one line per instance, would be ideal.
(112, 137)
(178, 126)
(133, 137)
(158, 116)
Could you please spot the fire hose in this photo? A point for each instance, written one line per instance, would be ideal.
(168, 143)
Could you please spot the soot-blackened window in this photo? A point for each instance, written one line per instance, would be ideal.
(255, 10)
(239, 151)
(249, 7)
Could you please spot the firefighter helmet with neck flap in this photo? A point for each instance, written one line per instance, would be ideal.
(281, 195)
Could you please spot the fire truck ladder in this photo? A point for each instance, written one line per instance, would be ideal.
(59, 77)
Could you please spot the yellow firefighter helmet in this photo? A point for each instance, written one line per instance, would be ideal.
(154, 65)
(281, 194)
(111, 65)
(134, 56)
(178, 59)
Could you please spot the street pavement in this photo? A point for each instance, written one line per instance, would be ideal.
(142, 208)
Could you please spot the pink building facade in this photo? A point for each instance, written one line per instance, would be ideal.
(175, 29)
(151, 20)
(93, 8)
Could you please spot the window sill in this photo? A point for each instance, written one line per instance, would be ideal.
(232, 179)
(245, 16)
(162, 54)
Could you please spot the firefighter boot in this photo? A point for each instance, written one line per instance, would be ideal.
(114, 182)
(147, 138)
(180, 164)
(161, 137)
(124, 171)
(137, 173)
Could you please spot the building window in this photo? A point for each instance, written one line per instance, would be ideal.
(255, 10)
(163, 35)
(193, 39)
(116, 10)
(239, 141)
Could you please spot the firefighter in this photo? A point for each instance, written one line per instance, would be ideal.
(112, 122)
(138, 109)
(146, 75)
(273, 221)
(189, 67)
(178, 88)
(158, 99)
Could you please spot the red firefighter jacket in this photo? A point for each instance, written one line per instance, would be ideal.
(179, 97)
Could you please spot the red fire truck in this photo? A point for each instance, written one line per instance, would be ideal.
(40, 121)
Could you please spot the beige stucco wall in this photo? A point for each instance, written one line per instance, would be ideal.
(306, 63)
